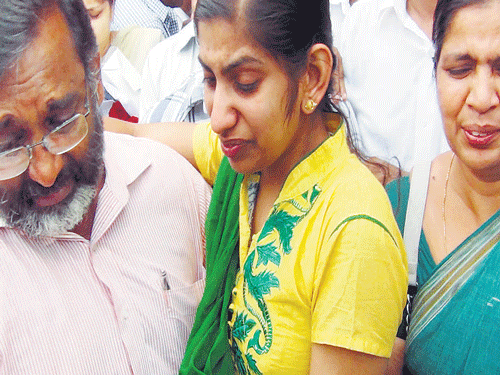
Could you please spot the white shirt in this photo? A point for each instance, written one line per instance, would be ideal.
(388, 66)
(145, 13)
(122, 66)
(173, 80)
(338, 11)
(121, 80)
(73, 306)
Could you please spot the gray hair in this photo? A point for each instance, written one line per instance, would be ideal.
(19, 23)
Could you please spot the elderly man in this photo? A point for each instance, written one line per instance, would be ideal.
(102, 252)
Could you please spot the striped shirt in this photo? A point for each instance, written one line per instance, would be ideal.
(123, 302)
(147, 13)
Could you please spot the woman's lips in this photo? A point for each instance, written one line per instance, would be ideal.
(231, 148)
(57, 196)
(480, 137)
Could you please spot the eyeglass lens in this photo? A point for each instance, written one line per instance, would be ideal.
(60, 140)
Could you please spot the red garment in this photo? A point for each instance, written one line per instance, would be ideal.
(117, 111)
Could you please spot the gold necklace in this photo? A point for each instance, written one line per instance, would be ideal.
(444, 202)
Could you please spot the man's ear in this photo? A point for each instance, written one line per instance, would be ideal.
(317, 76)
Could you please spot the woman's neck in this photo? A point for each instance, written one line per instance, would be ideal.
(480, 192)
(313, 132)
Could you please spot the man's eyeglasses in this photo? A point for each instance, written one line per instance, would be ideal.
(59, 141)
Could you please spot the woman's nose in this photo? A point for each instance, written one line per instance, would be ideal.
(223, 115)
(484, 93)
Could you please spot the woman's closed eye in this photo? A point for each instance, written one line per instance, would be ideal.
(247, 88)
(459, 72)
(94, 13)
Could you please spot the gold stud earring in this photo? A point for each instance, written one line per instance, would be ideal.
(310, 105)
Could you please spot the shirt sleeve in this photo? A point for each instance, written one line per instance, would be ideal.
(360, 287)
(207, 151)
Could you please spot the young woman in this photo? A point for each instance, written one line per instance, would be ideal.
(454, 321)
(305, 264)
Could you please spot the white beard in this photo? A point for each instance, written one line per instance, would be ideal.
(65, 218)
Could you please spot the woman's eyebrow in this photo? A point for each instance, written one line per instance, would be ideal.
(460, 57)
(227, 70)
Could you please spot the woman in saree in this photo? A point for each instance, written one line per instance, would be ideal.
(306, 271)
(455, 314)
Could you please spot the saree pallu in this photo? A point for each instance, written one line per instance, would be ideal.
(455, 324)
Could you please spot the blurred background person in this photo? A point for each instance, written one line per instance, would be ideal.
(172, 80)
(168, 16)
(387, 56)
(122, 56)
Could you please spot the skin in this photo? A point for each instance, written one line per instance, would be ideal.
(468, 78)
(468, 75)
(246, 94)
(101, 14)
(46, 87)
(468, 83)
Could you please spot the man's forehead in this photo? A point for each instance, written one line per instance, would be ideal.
(48, 65)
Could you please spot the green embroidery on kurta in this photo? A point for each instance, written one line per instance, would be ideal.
(273, 243)
(365, 217)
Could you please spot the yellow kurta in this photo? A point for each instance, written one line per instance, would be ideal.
(327, 267)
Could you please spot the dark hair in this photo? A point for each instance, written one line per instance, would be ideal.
(287, 29)
(19, 22)
(443, 16)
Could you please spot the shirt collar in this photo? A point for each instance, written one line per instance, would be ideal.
(157, 8)
(399, 8)
(344, 4)
(114, 195)
(116, 182)
(119, 176)
(186, 36)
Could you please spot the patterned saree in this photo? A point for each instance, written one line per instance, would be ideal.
(455, 325)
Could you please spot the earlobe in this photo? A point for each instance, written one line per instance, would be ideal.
(318, 75)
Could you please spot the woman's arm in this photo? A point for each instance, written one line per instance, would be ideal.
(327, 359)
(177, 135)
(396, 362)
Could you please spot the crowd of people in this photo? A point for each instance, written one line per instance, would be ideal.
(249, 186)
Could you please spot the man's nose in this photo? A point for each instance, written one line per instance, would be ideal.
(44, 166)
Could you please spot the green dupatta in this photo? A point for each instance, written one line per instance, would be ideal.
(208, 350)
